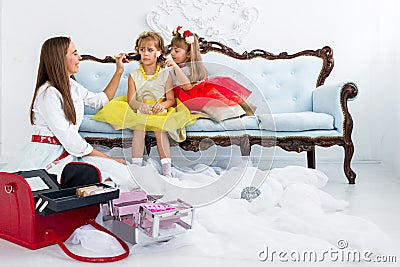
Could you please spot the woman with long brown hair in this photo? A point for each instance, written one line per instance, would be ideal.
(56, 113)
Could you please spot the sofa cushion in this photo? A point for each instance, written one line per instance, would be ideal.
(223, 113)
(201, 125)
(296, 121)
(208, 125)
(93, 126)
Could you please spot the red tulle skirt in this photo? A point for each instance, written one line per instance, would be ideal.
(215, 91)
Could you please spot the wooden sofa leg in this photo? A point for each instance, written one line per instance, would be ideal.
(245, 146)
(311, 158)
(348, 155)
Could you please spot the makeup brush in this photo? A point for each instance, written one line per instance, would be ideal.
(133, 57)
(160, 56)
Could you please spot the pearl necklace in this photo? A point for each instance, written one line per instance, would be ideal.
(145, 75)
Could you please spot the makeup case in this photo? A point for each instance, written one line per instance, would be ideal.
(37, 212)
(143, 219)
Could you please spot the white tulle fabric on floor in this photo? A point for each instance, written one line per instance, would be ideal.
(293, 216)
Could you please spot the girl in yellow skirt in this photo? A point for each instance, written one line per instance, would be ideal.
(150, 104)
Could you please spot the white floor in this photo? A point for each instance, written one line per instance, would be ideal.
(375, 197)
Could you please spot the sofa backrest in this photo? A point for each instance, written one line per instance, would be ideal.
(94, 74)
(284, 81)
(281, 83)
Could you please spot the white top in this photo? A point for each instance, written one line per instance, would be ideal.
(175, 81)
(50, 119)
(153, 90)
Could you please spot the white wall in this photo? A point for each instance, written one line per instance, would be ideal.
(387, 84)
(363, 35)
(394, 143)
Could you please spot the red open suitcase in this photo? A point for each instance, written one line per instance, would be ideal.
(21, 223)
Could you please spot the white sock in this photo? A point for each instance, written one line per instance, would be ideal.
(166, 167)
(137, 161)
(166, 160)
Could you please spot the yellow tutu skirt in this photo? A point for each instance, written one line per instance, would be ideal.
(120, 115)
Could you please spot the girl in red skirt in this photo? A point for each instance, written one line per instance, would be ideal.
(190, 78)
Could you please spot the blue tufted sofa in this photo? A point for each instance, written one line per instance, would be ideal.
(295, 111)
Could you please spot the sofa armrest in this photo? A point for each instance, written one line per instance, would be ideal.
(332, 99)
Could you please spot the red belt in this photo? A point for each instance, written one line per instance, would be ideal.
(49, 140)
(45, 139)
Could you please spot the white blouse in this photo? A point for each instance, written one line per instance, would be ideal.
(50, 119)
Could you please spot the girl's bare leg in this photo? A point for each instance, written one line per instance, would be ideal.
(164, 150)
(138, 146)
(163, 146)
